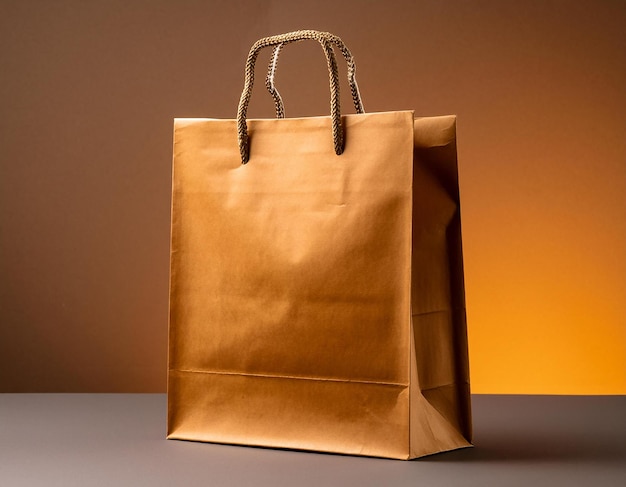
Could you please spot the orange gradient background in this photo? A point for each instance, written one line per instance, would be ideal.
(88, 92)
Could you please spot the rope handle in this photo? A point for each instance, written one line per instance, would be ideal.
(326, 40)
(354, 87)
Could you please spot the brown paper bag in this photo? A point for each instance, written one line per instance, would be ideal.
(316, 295)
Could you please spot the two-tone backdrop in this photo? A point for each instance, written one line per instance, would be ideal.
(88, 91)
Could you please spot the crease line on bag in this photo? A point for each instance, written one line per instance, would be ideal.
(269, 376)
(424, 313)
(451, 384)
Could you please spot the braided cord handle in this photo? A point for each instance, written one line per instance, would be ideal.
(354, 87)
(269, 82)
(335, 112)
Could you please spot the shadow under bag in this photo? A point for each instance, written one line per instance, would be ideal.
(316, 294)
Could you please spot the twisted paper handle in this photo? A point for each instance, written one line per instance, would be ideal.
(354, 87)
(326, 40)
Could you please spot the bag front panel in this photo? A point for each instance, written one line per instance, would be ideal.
(296, 264)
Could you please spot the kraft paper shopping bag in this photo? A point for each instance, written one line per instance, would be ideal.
(316, 294)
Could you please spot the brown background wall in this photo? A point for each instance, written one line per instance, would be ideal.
(88, 91)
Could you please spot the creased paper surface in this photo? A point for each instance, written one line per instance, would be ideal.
(294, 294)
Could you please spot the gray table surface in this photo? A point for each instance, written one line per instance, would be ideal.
(118, 440)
